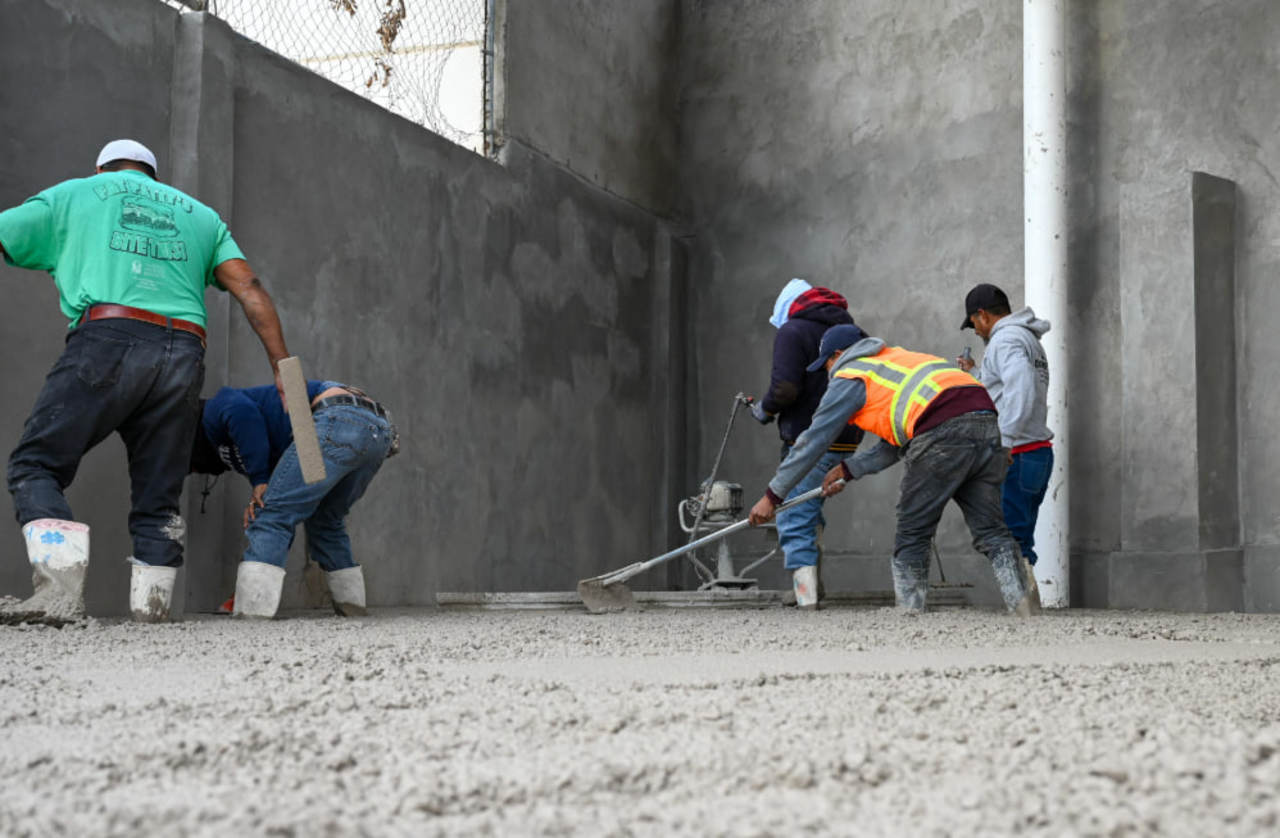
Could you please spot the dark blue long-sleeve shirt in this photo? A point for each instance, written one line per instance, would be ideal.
(794, 392)
(250, 428)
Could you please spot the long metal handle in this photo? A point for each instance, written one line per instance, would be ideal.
(635, 569)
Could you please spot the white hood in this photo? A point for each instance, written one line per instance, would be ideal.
(782, 305)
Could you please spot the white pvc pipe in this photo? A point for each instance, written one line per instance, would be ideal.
(1044, 159)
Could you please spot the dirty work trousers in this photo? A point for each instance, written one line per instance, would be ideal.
(961, 460)
(140, 380)
(1024, 488)
(798, 526)
(353, 441)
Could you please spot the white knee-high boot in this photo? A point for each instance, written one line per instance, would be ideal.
(59, 554)
(258, 587)
(150, 591)
(346, 587)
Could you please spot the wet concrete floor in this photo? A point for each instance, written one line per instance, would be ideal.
(853, 721)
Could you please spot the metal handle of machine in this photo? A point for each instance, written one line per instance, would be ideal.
(704, 572)
(680, 513)
(640, 567)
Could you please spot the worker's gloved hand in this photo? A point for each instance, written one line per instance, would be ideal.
(758, 412)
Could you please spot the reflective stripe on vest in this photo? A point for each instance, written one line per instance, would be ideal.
(911, 379)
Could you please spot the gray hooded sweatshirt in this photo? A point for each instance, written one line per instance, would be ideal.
(1016, 374)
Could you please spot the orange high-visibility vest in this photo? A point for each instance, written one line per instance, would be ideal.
(900, 385)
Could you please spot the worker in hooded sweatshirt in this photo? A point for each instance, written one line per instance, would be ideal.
(1016, 374)
(802, 314)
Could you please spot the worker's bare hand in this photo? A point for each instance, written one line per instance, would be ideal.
(965, 364)
(256, 502)
(280, 390)
(762, 512)
(833, 483)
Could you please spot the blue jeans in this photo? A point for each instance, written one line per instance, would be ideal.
(354, 442)
(140, 380)
(1024, 488)
(798, 526)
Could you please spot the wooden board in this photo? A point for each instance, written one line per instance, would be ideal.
(304, 428)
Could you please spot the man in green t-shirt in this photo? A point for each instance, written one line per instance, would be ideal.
(131, 257)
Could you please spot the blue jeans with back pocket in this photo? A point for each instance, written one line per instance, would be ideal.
(353, 441)
(139, 380)
(1024, 487)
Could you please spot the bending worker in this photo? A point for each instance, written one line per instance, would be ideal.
(248, 430)
(801, 314)
(943, 424)
(1016, 374)
(131, 258)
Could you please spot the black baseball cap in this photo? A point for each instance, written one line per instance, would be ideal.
(836, 339)
(983, 296)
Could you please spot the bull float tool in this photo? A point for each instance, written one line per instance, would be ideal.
(608, 593)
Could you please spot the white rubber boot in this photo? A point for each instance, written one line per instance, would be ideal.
(1016, 582)
(59, 555)
(1033, 587)
(150, 592)
(258, 587)
(804, 581)
(910, 591)
(346, 587)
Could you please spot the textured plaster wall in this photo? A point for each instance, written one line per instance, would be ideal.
(870, 147)
(876, 148)
(592, 85)
(527, 319)
(1185, 86)
(501, 310)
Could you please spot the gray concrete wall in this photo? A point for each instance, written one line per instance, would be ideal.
(592, 84)
(876, 148)
(501, 310)
(870, 147)
(528, 319)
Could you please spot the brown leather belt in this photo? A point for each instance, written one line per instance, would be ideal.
(107, 311)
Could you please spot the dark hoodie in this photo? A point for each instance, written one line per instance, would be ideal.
(793, 393)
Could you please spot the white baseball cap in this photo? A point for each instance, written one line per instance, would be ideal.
(127, 150)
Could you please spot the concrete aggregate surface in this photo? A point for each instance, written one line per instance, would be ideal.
(706, 722)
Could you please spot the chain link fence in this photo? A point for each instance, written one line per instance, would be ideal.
(427, 60)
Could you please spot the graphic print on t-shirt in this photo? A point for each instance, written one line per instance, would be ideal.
(143, 218)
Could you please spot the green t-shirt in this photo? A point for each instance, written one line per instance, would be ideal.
(120, 237)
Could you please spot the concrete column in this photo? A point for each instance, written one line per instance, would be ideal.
(202, 151)
(1180, 542)
(668, 353)
(1044, 157)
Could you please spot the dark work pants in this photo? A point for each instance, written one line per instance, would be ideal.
(116, 375)
(961, 460)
